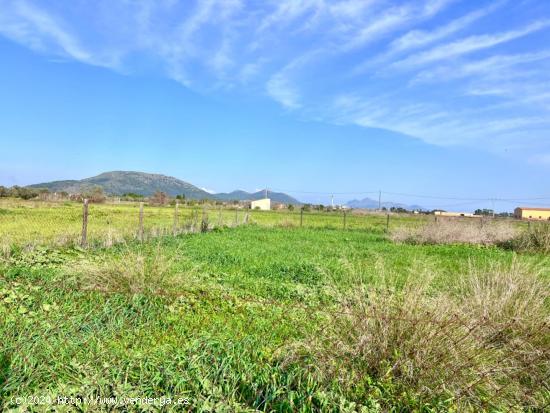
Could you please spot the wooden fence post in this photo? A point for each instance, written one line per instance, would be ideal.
(301, 217)
(345, 213)
(236, 216)
(140, 231)
(84, 240)
(176, 218)
(387, 223)
(204, 220)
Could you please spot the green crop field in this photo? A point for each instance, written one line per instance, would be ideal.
(268, 316)
(50, 223)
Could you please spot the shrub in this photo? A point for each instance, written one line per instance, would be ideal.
(159, 198)
(95, 195)
(481, 345)
(536, 239)
(450, 231)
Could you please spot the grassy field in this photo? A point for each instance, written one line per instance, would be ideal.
(57, 223)
(268, 317)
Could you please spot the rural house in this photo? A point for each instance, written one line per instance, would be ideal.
(456, 214)
(263, 204)
(542, 214)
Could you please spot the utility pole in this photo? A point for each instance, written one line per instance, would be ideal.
(379, 200)
(266, 192)
(332, 201)
(493, 206)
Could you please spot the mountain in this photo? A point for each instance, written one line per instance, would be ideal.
(247, 196)
(122, 182)
(368, 203)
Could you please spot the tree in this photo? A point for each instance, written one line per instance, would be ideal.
(3, 191)
(290, 207)
(95, 195)
(159, 198)
(24, 193)
(484, 211)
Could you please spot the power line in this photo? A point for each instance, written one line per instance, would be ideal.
(492, 199)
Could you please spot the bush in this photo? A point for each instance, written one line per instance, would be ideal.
(451, 231)
(536, 239)
(159, 198)
(95, 195)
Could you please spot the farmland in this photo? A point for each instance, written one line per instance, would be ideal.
(268, 316)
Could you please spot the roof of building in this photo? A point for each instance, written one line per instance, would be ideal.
(533, 209)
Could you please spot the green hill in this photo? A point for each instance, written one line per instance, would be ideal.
(123, 182)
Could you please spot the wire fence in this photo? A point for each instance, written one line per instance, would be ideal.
(498, 362)
(93, 225)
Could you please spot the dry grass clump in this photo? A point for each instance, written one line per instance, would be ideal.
(131, 272)
(451, 231)
(286, 223)
(536, 239)
(483, 344)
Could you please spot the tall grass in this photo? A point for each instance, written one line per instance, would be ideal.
(482, 344)
(451, 231)
(131, 271)
(536, 239)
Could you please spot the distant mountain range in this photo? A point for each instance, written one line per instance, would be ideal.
(123, 182)
(368, 203)
(247, 196)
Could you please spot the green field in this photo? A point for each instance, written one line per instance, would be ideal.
(266, 316)
(51, 223)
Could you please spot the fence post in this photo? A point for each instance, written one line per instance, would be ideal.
(140, 231)
(204, 220)
(387, 223)
(301, 217)
(236, 216)
(84, 240)
(345, 213)
(176, 218)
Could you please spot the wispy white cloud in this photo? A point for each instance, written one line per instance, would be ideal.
(496, 67)
(37, 29)
(301, 54)
(469, 45)
(281, 90)
(418, 38)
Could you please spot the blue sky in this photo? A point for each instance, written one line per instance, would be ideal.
(435, 97)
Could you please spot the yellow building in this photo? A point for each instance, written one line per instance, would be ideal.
(263, 204)
(542, 214)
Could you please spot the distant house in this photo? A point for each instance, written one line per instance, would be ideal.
(263, 204)
(456, 214)
(542, 214)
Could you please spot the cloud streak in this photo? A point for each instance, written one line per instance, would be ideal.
(431, 69)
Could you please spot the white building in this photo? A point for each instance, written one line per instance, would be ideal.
(263, 204)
